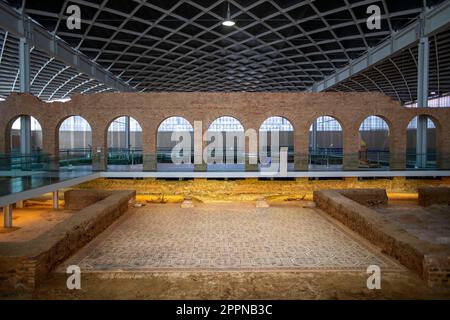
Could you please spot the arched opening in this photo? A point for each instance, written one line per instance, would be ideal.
(422, 152)
(226, 145)
(325, 144)
(268, 132)
(25, 143)
(172, 132)
(75, 142)
(124, 140)
(374, 143)
(26, 136)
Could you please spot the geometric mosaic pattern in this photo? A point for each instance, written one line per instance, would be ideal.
(227, 237)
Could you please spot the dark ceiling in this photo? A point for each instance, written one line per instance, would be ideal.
(276, 45)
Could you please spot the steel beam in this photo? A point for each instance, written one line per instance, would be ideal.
(23, 26)
(24, 64)
(422, 101)
(432, 22)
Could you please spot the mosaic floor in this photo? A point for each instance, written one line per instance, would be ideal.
(228, 237)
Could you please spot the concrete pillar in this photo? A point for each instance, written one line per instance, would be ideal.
(55, 199)
(7, 216)
(19, 204)
(422, 101)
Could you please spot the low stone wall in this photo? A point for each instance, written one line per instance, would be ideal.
(367, 197)
(420, 256)
(212, 190)
(26, 264)
(80, 199)
(434, 195)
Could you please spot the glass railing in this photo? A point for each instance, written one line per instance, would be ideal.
(125, 156)
(135, 160)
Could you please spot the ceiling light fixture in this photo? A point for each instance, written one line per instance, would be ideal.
(228, 22)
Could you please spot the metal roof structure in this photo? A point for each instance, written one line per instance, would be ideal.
(276, 45)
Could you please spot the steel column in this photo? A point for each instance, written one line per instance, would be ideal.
(422, 101)
(24, 64)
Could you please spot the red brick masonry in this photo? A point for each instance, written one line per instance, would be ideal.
(430, 261)
(251, 109)
(24, 265)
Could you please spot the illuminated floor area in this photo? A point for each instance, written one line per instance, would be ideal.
(232, 236)
(35, 219)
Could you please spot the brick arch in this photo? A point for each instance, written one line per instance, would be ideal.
(222, 116)
(435, 120)
(331, 115)
(58, 127)
(359, 120)
(175, 116)
(108, 125)
(155, 130)
(440, 139)
(8, 128)
(276, 116)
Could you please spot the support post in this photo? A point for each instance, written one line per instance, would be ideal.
(55, 199)
(422, 101)
(24, 64)
(25, 142)
(25, 135)
(421, 142)
(7, 216)
(314, 136)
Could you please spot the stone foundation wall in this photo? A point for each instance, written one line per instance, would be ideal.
(251, 189)
(24, 265)
(367, 197)
(434, 195)
(437, 269)
(415, 254)
(80, 199)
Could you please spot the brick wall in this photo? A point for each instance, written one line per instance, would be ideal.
(251, 109)
(24, 265)
(430, 261)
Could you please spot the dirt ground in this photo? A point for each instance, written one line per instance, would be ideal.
(279, 284)
(35, 219)
(238, 285)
